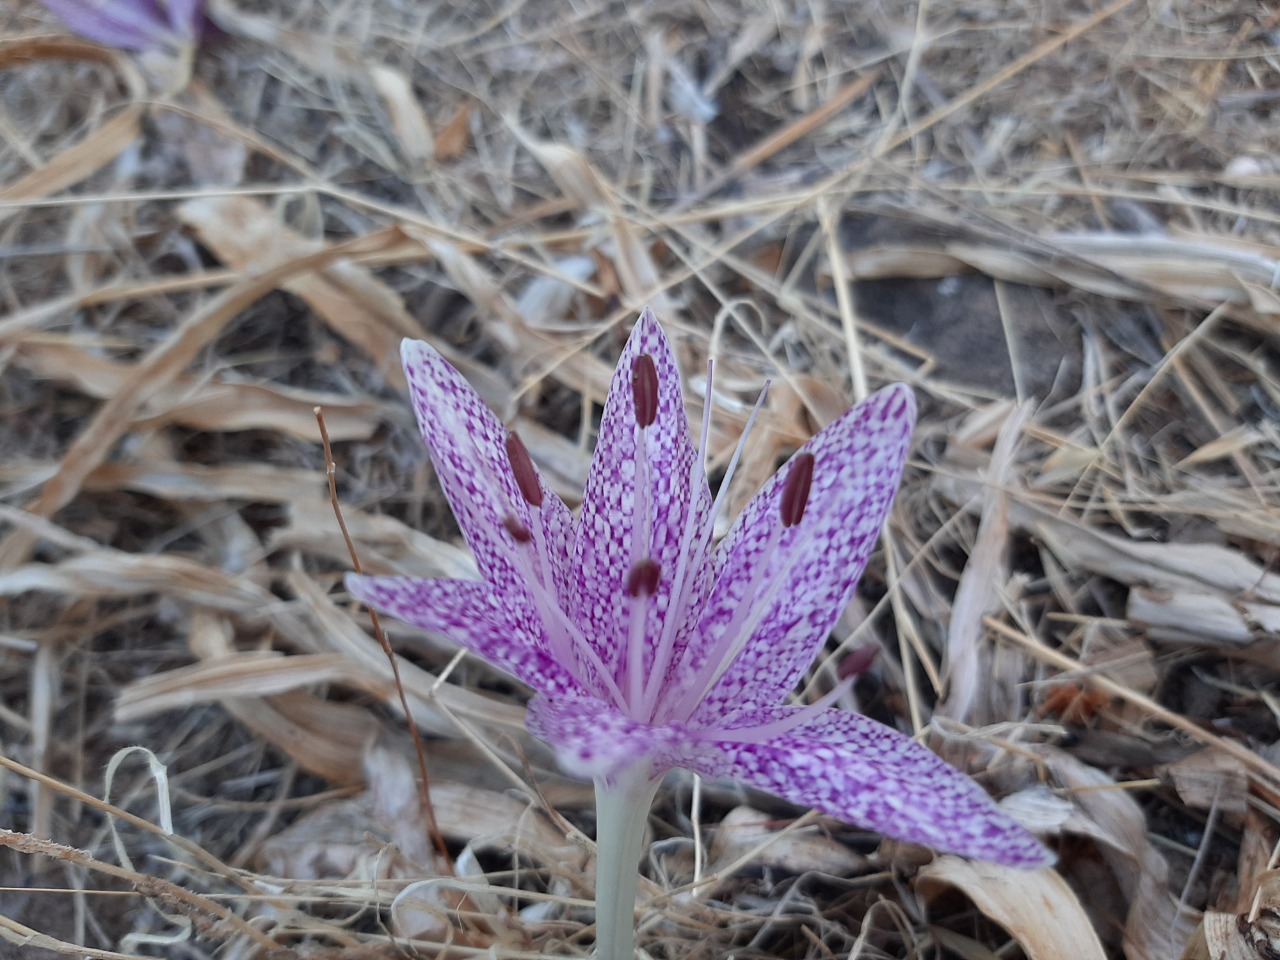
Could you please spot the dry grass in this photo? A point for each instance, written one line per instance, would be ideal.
(1058, 222)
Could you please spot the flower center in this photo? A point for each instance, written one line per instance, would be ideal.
(651, 681)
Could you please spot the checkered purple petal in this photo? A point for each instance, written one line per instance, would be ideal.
(811, 568)
(127, 24)
(594, 740)
(468, 449)
(863, 772)
(496, 629)
(613, 510)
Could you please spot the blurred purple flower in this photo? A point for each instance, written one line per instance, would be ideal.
(648, 646)
(133, 24)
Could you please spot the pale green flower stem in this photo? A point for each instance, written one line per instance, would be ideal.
(622, 810)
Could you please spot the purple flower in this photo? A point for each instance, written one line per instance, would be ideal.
(649, 646)
(133, 24)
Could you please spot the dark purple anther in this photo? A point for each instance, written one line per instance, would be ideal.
(795, 489)
(519, 532)
(642, 579)
(858, 662)
(644, 388)
(522, 467)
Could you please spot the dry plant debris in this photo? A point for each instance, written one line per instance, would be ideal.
(1058, 223)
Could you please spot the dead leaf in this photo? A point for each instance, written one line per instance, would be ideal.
(73, 164)
(744, 830)
(1209, 778)
(247, 235)
(978, 693)
(455, 136)
(205, 403)
(1037, 907)
(410, 124)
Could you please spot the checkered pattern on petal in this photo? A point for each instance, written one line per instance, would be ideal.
(134, 24)
(867, 774)
(468, 449)
(496, 629)
(127, 24)
(611, 506)
(811, 570)
(593, 740)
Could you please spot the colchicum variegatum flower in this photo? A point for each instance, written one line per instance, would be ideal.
(649, 646)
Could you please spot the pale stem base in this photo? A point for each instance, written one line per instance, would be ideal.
(622, 810)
